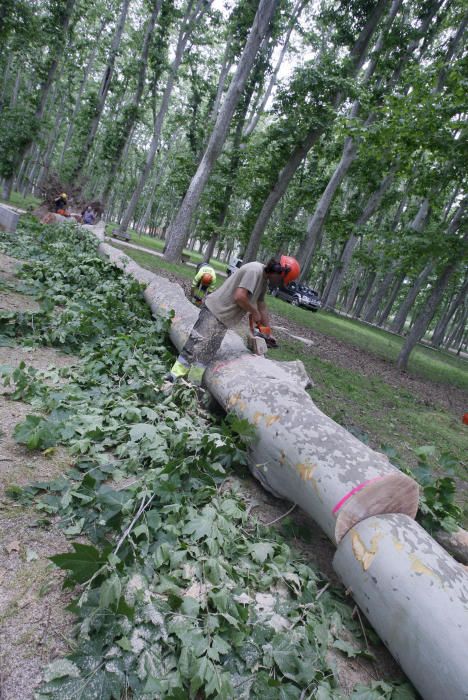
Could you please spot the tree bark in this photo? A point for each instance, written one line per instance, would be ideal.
(181, 225)
(286, 174)
(368, 212)
(425, 317)
(83, 83)
(48, 82)
(259, 111)
(135, 102)
(103, 90)
(454, 304)
(191, 16)
(350, 150)
(399, 321)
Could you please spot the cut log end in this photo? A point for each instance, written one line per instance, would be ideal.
(391, 493)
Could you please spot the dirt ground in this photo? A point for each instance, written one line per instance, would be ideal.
(34, 625)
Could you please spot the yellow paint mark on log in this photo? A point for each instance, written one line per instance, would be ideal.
(270, 420)
(256, 417)
(398, 545)
(233, 399)
(419, 568)
(361, 553)
(306, 471)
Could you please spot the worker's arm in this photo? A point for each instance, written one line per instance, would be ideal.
(263, 311)
(241, 297)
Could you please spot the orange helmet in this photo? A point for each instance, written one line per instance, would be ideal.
(206, 279)
(291, 268)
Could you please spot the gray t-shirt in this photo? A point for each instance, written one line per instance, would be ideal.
(221, 303)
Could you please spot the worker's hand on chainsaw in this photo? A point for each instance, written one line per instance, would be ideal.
(256, 316)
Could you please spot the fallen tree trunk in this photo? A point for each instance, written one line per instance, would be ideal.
(299, 453)
(412, 591)
(415, 596)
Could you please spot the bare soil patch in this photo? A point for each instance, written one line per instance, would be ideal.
(34, 624)
(8, 267)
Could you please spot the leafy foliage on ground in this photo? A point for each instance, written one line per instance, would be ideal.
(179, 594)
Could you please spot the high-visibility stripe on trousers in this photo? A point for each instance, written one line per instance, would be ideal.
(202, 345)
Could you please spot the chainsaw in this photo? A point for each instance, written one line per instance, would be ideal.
(260, 339)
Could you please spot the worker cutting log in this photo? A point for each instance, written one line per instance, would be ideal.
(203, 283)
(242, 293)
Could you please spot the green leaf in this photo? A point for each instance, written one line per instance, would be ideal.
(83, 563)
(36, 433)
(351, 651)
(285, 655)
(110, 592)
(60, 669)
(261, 551)
(425, 451)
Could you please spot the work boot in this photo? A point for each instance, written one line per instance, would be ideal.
(169, 381)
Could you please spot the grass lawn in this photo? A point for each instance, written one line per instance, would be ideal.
(385, 416)
(17, 200)
(153, 263)
(437, 366)
(158, 245)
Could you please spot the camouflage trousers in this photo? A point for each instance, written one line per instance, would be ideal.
(202, 345)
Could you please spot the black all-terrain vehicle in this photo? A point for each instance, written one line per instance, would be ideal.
(298, 295)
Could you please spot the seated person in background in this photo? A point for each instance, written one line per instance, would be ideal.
(203, 283)
(88, 216)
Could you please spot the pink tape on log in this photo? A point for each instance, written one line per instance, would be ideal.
(353, 491)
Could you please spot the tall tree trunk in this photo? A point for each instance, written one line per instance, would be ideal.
(425, 317)
(112, 167)
(374, 301)
(181, 225)
(188, 22)
(54, 63)
(103, 91)
(441, 327)
(399, 321)
(364, 296)
(350, 150)
(297, 9)
(49, 151)
(368, 212)
(300, 151)
(84, 81)
(45, 87)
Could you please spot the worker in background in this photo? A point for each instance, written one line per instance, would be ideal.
(242, 293)
(203, 283)
(60, 203)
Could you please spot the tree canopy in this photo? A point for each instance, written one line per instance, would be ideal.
(332, 131)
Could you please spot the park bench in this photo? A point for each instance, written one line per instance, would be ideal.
(8, 219)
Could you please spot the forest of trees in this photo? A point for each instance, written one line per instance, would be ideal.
(332, 130)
